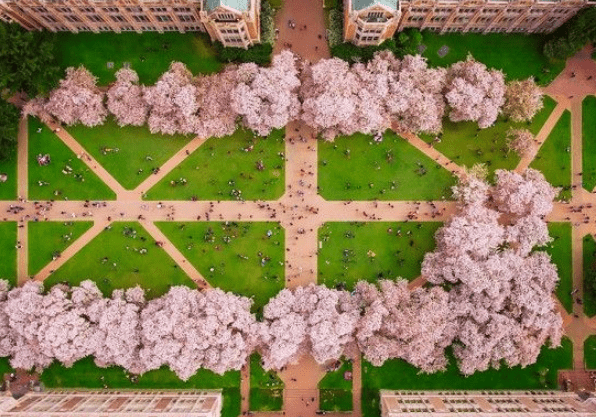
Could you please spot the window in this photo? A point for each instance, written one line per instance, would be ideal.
(117, 18)
(158, 9)
(111, 9)
(72, 18)
(163, 18)
(134, 9)
(140, 18)
(375, 15)
(187, 18)
(64, 9)
(87, 9)
(226, 16)
(182, 9)
(95, 18)
(49, 18)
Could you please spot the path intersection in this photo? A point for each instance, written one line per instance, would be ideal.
(301, 210)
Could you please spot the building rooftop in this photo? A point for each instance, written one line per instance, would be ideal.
(363, 4)
(240, 5)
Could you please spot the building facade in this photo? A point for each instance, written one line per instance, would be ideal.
(370, 22)
(486, 404)
(113, 403)
(232, 22)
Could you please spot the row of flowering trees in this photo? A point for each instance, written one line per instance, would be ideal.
(491, 298)
(330, 96)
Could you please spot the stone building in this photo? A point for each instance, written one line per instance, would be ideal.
(486, 404)
(113, 403)
(232, 22)
(370, 22)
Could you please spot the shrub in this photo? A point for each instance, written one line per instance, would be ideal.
(573, 35)
(267, 23)
(335, 33)
(260, 54)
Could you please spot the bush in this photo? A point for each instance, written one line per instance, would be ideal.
(572, 36)
(404, 43)
(9, 120)
(27, 61)
(335, 33)
(267, 22)
(260, 54)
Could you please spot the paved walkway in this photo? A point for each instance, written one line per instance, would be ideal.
(301, 211)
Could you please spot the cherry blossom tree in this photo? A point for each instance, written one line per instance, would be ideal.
(520, 141)
(267, 98)
(117, 331)
(312, 319)
(415, 98)
(187, 330)
(523, 194)
(501, 291)
(125, 99)
(173, 102)
(474, 93)
(77, 99)
(216, 117)
(523, 99)
(415, 326)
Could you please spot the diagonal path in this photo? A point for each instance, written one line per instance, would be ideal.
(72, 250)
(541, 137)
(433, 154)
(176, 255)
(169, 165)
(95, 166)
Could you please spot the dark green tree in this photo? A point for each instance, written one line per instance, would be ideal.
(27, 61)
(9, 125)
(573, 35)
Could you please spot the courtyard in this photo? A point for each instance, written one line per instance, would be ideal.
(252, 215)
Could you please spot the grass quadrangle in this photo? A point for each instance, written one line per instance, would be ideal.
(8, 249)
(122, 256)
(355, 251)
(335, 390)
(266, 388)
(466, 144)
(357, 168)
(128, 153)
(589, 143)
(148, 53)
(554, 157)
(66, 177)
(241, 166)
(246, 258)
(560, 251)
(48, 239)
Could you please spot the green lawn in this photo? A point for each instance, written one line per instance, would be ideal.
(266, 389)
(335, 391)
(47, 239)
(8, 241)
(66, 177)
(467, 145)
(122, 257)
(589, 143)
(357, 251)
(589, 250)
(85, 374)
(590, 352)
(399, 375)
(219, 251)
(130, 152)
(356, 168)
(4, 367)
(560, 251)
(8, 166)
(518, 55)
(149, 53)
(554, 157)
(226, 169)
